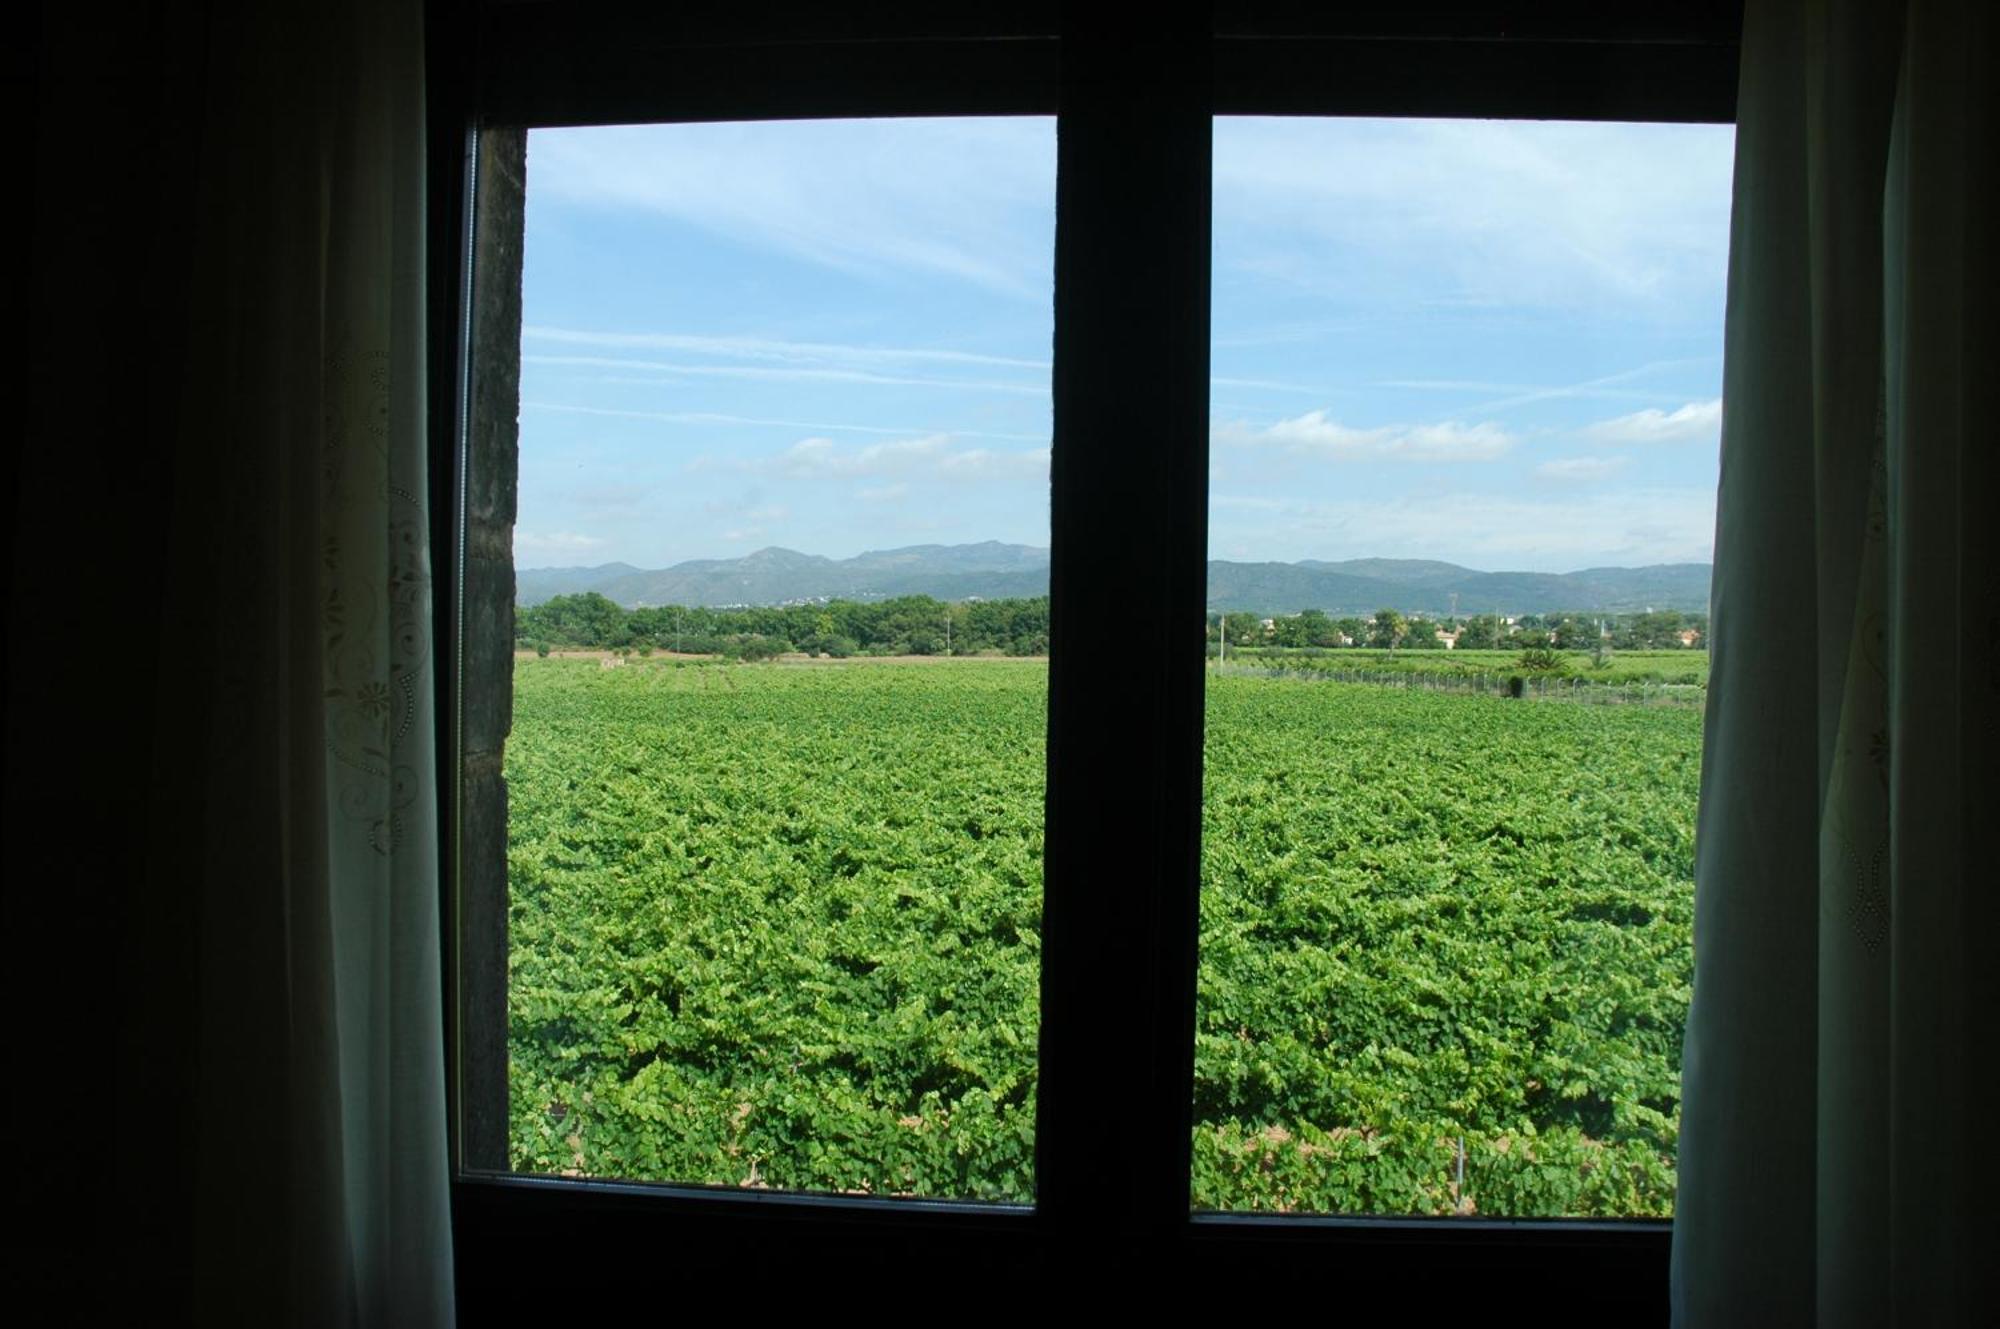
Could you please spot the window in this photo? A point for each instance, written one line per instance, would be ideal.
(775, 775)
(1128, 539)
(1466, 431)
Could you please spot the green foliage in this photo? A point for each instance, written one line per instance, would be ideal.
(1482, 632)
(1420, 634)
(1244, 629)
(906, 625)
(1427, 916)
(753, 646)
(777, 926)
(1541, 660)
(780, 926)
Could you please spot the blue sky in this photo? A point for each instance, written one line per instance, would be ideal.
(1495, 343)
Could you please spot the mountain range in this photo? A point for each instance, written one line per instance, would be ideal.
(991, 570)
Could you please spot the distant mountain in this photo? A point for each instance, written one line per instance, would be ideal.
(992, 570)
(1363, 585)
(534, 585)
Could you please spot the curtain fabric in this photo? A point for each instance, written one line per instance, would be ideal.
(300, 793)
(1832, 1169)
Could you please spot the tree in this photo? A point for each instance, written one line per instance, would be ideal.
(1317, 628)
(1575, 634)
(1652, 631)
(1289, 631)
(1389, 628)
(1480, 633)
(1245, 629)
(588, 619)
(1420, 634)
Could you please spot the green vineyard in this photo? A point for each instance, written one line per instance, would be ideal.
(777, 925)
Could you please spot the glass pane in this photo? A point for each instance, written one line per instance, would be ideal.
(776, 769)
(1465, 424)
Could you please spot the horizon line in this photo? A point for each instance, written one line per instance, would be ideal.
(1045, 551)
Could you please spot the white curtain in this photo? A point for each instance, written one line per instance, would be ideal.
(1833, 1166)
(298, 705)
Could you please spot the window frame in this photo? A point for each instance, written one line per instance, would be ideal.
(1134, 109)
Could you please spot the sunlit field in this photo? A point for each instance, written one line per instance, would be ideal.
(777, 925)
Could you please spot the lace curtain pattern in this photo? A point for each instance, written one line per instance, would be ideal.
(305, 695)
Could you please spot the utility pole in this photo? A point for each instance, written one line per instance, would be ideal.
(1222, 658)
(947, 629)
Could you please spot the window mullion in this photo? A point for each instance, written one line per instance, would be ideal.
(1129, 534)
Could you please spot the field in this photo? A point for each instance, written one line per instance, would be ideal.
(776, 925)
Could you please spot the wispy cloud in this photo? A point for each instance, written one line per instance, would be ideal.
(787, 373)
(1477, 213)
(713, 418)
(939, 458)
(1624, 528)
(1319, 435)
(538, 545)
(764, 348)
(1580, 469)
(1522, 394)
(968, 200)
(814, 458)
(1696, 420)
(1267, 384)
(1591, 388)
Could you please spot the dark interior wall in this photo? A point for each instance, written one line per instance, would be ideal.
(110, 97)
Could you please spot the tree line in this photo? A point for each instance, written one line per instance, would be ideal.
(1389, 629)
(921, 625)
(905, 625)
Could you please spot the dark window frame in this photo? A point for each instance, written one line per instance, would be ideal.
(1134, 106)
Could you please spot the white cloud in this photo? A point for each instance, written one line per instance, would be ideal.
(765, 348)
(785, 374)
(1624, 528)
(1581, 468)
(934, 458)
(1696, 420)
(716, 418)
(1451, 442)
(986, 463)
(894, 493)
(970, 200)
(1478, 213)
(1268, 385)
(554, 543)
(1524, 394)
(1319, 435)
(816, 458)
